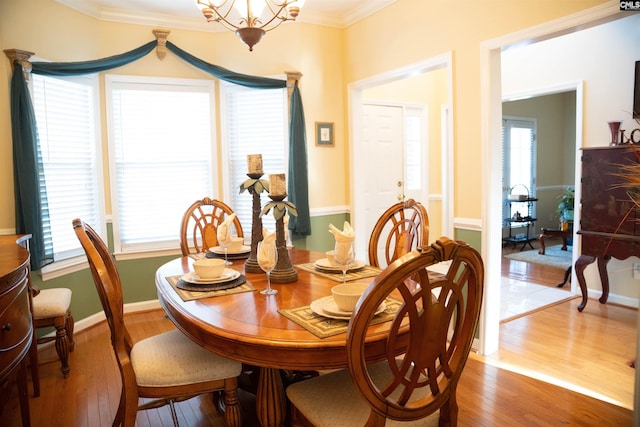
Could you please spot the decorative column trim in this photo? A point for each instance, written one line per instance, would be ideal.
(22, 56)
(161, 36)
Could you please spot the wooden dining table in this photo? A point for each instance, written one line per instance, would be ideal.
(248, 327)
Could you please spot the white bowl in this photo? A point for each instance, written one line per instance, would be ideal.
(208, 268)
(236, 244)
(347, 295)
(331, 259)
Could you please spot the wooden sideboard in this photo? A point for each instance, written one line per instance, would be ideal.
(609, 221)
(16, 324)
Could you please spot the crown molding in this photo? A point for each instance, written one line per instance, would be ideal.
(98, 10)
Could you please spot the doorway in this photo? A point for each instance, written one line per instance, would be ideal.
(432, 77)
(541, 163)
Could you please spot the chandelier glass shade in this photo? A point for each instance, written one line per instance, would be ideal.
(250, 19)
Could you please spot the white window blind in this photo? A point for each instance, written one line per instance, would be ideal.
(254, 122)
(161, 156)
(519, 161)
(66, 115)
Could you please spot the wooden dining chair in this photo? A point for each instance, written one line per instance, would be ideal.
(198, 230)
(166, 368)
(399, 230)
(428, 344)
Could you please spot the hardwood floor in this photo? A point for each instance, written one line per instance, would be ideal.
(577, 355)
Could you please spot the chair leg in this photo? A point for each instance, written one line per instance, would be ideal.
(232, 409)
(174, 416)
(62, 348)
(69, 325)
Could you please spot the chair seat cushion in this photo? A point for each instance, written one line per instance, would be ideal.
(171, 359)
(332, 400)
(51, 303)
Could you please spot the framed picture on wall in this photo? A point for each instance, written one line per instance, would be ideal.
(324, 134)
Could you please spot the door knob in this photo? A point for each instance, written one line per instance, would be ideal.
(399, 184)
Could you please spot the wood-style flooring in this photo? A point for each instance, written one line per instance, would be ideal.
(550, 365)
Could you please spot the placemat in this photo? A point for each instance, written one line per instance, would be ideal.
(366, 271)
(188, 295)
(323, 327)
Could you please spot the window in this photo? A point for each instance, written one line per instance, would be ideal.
(67, 115)
(162, 152)
(254, 122)
(519, 161)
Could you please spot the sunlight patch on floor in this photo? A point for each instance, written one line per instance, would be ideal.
(489, 360)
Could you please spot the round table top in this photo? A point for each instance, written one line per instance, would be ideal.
(248, 327)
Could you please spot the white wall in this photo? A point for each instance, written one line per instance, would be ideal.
(603, 57)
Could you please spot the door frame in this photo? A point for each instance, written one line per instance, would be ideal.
(356, 102)
(491, 99)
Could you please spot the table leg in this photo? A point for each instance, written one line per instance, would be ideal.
(604, 278)
(581, 264)
(564, 243)
(23, 393)
(542, 247)
(567, 274)
(270, 401)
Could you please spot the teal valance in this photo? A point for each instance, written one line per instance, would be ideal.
(32, 212)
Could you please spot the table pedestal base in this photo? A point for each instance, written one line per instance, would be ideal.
(270, 400)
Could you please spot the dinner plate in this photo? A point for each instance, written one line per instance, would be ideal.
(327, 307)
(226, 276)
(220, 250)
(324, 264)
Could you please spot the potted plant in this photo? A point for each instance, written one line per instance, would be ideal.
(566, 205)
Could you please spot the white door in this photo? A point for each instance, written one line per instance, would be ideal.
(383, 158)
(389, 133)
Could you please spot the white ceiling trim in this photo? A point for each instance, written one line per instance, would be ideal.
(340, 19)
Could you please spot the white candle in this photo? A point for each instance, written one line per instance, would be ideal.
(254, 163)
(277, 185)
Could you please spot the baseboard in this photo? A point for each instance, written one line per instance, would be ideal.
(94, 319)
(613, 298)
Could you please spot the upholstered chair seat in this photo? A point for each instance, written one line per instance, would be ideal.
(331, 400)
(52, 308)
(171, 359)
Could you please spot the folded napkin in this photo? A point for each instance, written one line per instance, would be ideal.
(344, 236)
(343, 252)
(267, 253)
(224, 230)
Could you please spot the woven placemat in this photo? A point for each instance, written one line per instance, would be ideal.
(241, 285)
(324, 327)
(366, 271)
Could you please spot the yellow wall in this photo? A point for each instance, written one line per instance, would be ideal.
(404, 33)
(410, 31)
(57, 33)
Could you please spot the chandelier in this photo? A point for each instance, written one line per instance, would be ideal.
(253, 17)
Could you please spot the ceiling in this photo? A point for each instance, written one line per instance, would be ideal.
(184, 14)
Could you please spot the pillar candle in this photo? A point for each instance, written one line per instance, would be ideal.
(254, 162)
(277, 185)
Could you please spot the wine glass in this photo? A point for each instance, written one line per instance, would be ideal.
(225, 245)
(344, 254)
(267, 260)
